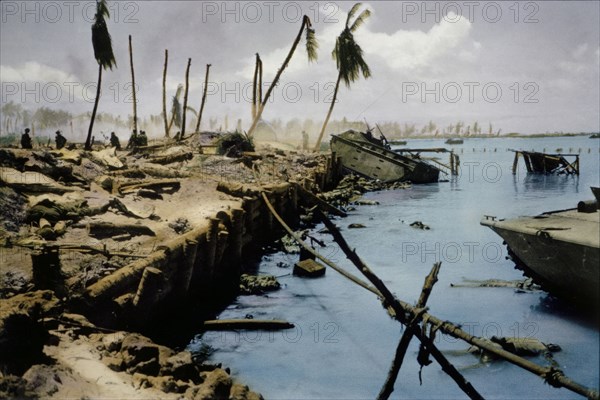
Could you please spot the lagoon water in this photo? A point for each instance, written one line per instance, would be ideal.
(344, 341)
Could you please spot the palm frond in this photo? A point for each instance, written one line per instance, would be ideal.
(177, 108)
(360, 20)
(179, 91)
(311, 44)
(353, 11)
(190, 109)
(349, 58)
(101, 39)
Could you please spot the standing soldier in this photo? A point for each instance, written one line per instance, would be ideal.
(133, 140)
(60, 140)
(26, 140)
(142, 139)
(114, 141)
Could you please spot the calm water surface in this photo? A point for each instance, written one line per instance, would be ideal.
(344, 341)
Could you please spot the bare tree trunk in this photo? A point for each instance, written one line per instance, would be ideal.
(305, 22)
(185, 97)
(164, 94)
(254, 81)
(335, 92)
(203, 99)
(133, 85)
(260, 81)
(88, 140)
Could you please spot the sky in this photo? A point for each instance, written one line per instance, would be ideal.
(527, 67)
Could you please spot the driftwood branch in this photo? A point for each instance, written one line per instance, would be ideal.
(388, 386)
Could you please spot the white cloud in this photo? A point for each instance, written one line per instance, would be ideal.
(32, 71)
(409, 50)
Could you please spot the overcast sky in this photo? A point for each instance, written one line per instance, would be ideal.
(525, 67)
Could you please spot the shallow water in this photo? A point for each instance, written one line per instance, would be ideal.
(344, 341)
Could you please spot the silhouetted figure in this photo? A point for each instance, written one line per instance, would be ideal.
(304, 140)
(133, 140)
(177, 136)
(60, 140)
(26, 140)
(114, 141)
(142, 139)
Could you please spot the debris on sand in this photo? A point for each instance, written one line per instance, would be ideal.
(252, 284)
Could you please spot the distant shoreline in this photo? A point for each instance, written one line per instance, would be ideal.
(509, 135)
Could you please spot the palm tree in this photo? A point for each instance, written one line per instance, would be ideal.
(103, 53)
(255, 101)
(311, 50)
(349, 60)
(133, 85)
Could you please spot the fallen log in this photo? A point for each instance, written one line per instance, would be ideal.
(171, 158)
(254, 324)
(31, 244)
(32, 182)
(101, 229)
(166, 185)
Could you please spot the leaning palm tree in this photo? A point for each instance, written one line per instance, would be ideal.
(349, 60)
(311, 50)
(103, 53)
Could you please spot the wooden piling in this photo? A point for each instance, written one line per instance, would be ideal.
(45, 262)
(190, 249)
(149, 293)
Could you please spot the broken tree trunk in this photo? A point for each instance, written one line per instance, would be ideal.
(101, 229)
(165, 185)
(203, 99)
(171, 158)
(133, 85)
(164, 94)
(185, 98)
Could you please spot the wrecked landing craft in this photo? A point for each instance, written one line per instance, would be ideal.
(542, 163)
(365, 155)
(559, 250)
